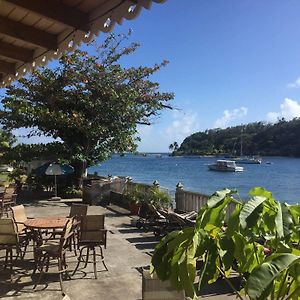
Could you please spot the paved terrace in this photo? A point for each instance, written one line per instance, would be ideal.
(128, 250)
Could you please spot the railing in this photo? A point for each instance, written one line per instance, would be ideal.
(190, 201)
(185, 201)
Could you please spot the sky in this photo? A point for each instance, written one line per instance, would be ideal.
(231, 62)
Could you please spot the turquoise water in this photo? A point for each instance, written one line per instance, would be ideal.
(281, 175)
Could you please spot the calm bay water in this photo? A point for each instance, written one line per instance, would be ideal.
(281, 175)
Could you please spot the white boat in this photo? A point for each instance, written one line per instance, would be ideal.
(225, 166)
(247, 160)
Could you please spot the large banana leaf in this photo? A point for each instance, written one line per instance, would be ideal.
(263, 276)
(250, 211)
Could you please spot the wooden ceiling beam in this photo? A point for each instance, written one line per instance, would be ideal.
(7, 68)
(16, 52)
(28, 34)
(57, 11)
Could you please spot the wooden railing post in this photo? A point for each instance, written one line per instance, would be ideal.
(178, 196)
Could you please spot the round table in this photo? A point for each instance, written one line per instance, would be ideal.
(46, 223)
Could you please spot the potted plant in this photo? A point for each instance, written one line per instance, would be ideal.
(158, 197)
(134, 197)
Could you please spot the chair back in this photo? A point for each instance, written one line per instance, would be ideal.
(78, 210)
(19, 216)
(8, 232)
(67, 232)
(9, 191)
(91, 229)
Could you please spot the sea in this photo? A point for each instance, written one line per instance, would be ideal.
(280, 175)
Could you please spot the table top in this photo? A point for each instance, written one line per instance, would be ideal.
(46, 223)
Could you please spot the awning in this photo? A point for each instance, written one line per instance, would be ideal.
(32, 32)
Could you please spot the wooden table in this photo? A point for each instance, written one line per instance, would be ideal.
(46, 223)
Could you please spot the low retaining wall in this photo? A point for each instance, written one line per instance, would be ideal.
(97, 191)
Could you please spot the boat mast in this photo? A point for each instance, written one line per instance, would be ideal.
(241, 150)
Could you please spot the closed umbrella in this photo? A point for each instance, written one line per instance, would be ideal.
(55, 169)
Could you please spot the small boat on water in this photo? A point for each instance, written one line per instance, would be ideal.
(247, 160)
(225, 166)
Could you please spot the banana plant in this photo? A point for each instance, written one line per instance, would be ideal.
(259, 240)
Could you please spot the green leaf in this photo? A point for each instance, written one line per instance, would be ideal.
(217, 197)
(260, 279)
(233, 221)
(260, 191)
(279, 222)
(227, 252)
(186, 271)
(250, 211)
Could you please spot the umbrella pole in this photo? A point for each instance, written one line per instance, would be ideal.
(55, 186)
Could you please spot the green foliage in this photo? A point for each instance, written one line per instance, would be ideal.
(18, 176)
(158, 197)
(90, 102)
(258, 138)
(134, 195)
(7, 139)
(240, 239)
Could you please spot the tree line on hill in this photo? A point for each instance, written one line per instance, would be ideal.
(259, 138)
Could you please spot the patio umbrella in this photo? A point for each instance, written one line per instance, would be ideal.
(55, 169)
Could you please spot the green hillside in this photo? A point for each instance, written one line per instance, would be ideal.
(282, 139)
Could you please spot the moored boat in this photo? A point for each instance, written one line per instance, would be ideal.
(225, 166)
(247, 160)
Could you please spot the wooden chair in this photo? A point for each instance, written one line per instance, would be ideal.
(9, 240)
(54, 249)
(78, 210)
(8, 199)
(20, 217)
(92, 234)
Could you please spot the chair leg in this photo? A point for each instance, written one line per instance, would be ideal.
(60, 270)
(10, 259)
(87, 256)
(102, 258)
(41, 269)
(6, 258)
(79, 260)
(74, 244)
(47, 263)
(94, 262)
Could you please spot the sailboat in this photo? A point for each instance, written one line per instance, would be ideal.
(242, 159)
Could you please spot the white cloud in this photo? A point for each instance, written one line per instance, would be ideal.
(295, 84)
(158, 137)
(182, 125)
(229, 116)
(289, 110)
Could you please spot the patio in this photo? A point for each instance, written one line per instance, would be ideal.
(128, 250)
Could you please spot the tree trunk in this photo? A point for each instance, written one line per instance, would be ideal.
(79, 172)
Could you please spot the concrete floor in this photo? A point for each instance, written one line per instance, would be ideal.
(128, 250)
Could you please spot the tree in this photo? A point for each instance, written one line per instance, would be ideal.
(7, 139)
(173, 146)
(90, 102)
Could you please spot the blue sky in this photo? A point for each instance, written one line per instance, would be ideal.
(231, 62)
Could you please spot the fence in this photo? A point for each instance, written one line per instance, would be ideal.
(96, 189)
(191, 201)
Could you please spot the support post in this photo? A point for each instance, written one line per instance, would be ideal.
(178, 193)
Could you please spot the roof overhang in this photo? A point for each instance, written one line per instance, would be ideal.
(32, 32)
